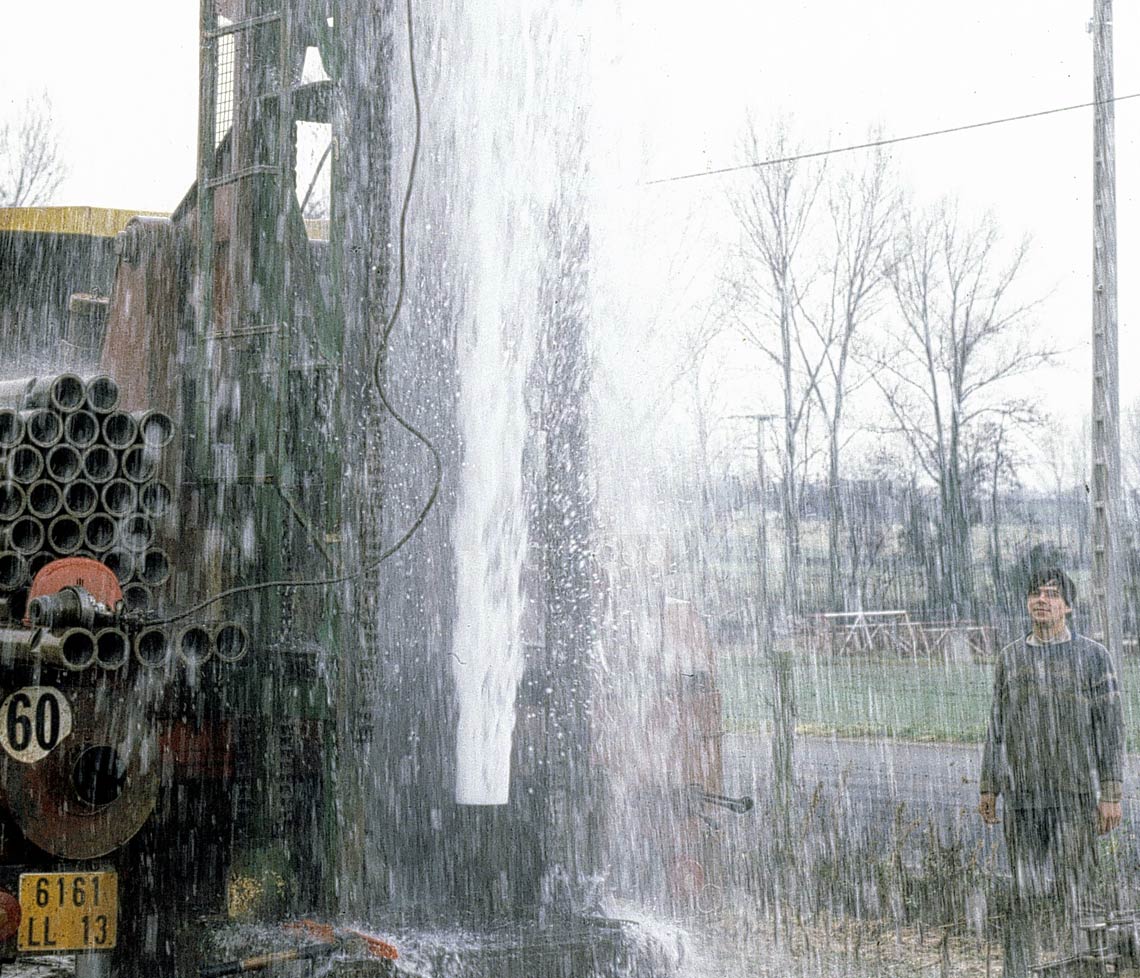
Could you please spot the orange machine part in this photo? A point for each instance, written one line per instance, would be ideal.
(97, 579)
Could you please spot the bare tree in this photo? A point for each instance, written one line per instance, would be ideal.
(861, 206)
(31, 166)
(773, 213)
(960, 337)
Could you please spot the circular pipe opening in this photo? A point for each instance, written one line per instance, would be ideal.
(99, 463)
(12, 500)
(138, 597)
(64, 463)
(121, 564)
(120, 497)
(26, 535)
(152, 648)
(11, 428)
(81, 429)
(112, 648)
(154, 568)
(194, 645)
(44, 500)
(231, 642)
(137, 533)
(44, 428)
(156, 499)
(156, 429)
(77, 648)
(68, 392)
(140, 463)
(119, 429)
(26, 463)
(99, 532)
(65, 534)
(13, 571)
(80, 499)
(102, 394)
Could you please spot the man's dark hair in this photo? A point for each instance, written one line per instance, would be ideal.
(1043, 575)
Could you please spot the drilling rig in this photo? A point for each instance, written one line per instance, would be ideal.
(216, 670)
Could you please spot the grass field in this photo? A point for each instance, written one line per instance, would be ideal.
(875, 698)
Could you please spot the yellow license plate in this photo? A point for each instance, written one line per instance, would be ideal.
(68, 911)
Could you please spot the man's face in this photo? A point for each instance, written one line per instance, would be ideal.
(1046, 605)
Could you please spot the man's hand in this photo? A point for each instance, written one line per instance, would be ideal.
(1108, 815)
(987, 808)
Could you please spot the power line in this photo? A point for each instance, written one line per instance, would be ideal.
(885, 142)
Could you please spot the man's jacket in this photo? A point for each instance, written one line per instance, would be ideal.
(1056, 731)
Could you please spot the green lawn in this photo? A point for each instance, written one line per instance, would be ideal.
(861, 697)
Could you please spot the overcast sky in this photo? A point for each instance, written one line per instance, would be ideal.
(123, 81)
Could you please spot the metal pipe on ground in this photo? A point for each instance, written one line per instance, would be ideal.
(120, 563)
(120, 497)
(99, 464)
(231, 642)
(152, 648)
(74, 650)
(112, 648)
(42, 427)
(194, 645)
(156, 428)
(64, 464)
(156, 498)
(25, 464)
(119, 430)
(138, 597)
(140, 463)
(102, 394)
(153, 567)
(64, 392)
(11, 428)
(13, 571)
(13, 500)
(65, 534)
(80, 499)
(44, 499)
(99, 532)
(25, 535)
(136, 533)
(81, 429)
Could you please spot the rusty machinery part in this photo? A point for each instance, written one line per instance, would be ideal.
(65, 535)
(155, 428)
(25, 464)
(140, 463)
(43, 428)
(81, 429)
(230, 642)
(69, 607)
(10, 915)
(259, 962)
(138, 599)
(112, 648)
(80, 499)
(155, 499)
(94, 791)
(119, 430)
(152, 648)
(11, 428)
(152, 567)
(100, 464)
(13, 499)
(13, 571)
(84, 572)
(64, 463)
(44, 499)
(120, 497)
(99, 532)
(102, 394)
(25, 535)
(194, 645)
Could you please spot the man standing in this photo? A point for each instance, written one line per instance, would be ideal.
(1055, 753)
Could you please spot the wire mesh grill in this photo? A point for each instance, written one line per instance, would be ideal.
(227, 66)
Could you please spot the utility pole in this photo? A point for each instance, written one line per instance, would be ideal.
(779, 654)
(1106, 506)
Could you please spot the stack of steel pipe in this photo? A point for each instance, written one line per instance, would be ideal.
(80, 477)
